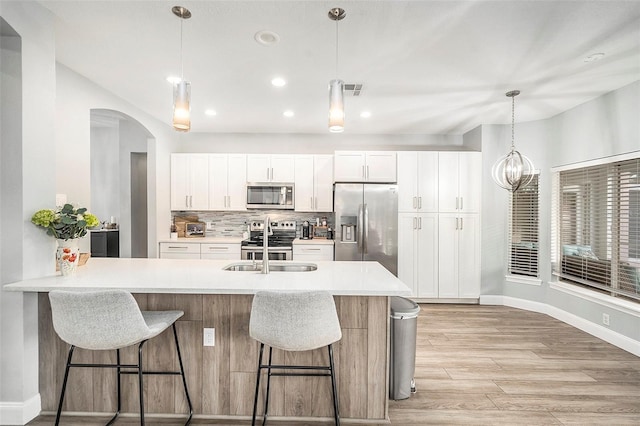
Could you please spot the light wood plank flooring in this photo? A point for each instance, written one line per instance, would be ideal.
(492, 365)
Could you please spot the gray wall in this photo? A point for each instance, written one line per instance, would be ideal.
(606, 126)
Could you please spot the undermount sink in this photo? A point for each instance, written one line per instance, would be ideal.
(273, 267)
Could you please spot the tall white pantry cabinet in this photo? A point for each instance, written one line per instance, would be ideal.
(438, 223)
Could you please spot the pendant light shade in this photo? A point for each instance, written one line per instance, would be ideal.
(336, 86)
(181, 89)
(336, 106)
(513, 170)
(182, 106)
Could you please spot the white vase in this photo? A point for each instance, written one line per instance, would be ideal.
(68, 256)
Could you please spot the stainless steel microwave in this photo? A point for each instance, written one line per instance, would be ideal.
(270, 196)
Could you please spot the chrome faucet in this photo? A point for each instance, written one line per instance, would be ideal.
(265, 245)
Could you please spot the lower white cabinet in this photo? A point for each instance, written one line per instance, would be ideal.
(418, 253)
(459, 255)
(220, 251)
(309, 252)
(180, 250)
(196, 250)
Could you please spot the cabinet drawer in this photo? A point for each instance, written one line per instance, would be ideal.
(312, 252)
(220, 251)
(193, 248)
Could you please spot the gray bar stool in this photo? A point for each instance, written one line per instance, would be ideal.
(108, 320)
(299, 321)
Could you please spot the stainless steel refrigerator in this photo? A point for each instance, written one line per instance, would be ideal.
(366, 223)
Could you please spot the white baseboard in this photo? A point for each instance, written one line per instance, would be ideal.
(606, 334)
(20, 413)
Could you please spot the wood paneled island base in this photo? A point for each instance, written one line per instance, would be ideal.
(221, 379)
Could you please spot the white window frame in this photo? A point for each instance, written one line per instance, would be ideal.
(614, 232)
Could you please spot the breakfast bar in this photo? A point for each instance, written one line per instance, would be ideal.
(221, 378)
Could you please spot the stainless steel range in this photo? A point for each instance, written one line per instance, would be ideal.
(280, 243)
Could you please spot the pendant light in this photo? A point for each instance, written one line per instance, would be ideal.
(336, 86)
(513, 170)
(182, 88)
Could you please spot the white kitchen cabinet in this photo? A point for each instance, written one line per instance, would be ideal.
(365, 166)
(459, 182)
(180, 250)
(314, 183)
(220, 251)
(458, 255)
(418, 253)
(312, 252)
(227, 182)
(189, 182)
(418, 181)
(270, 168)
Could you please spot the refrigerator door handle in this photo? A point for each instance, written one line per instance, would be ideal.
(365, 241)
(360, 233)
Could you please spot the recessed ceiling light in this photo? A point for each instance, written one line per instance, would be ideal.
(288, 113)
(594, 57)
(211, 112)
(365, 114)
(278, 81)
(266, 37)
(174, 79)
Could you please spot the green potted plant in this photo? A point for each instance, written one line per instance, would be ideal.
(66, 224)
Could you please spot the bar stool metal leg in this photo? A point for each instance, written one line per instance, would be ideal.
(184, 379)
(64, 384)
(118, 369)
(266, 401)
(255, 399)
(141, 382)
(336, 413)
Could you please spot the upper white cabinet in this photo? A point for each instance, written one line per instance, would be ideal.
(227, 181)
(365, 166)
(459, 181)
(314, 183)
(189, 181)
(270, 168)
(418, 181)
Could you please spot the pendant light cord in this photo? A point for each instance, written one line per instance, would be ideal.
(181, 58)
(336, 48)
(513, 121)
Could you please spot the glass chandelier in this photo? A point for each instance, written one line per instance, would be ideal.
(513, 170)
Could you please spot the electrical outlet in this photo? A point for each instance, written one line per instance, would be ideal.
(209, 337)
(209, 226)
(605, 319)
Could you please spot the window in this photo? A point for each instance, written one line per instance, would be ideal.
(523, 230)
(597, 227)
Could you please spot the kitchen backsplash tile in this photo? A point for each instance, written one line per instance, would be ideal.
(233, 224)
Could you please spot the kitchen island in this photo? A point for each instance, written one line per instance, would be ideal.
(221, 378)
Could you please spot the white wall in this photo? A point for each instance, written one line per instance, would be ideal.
(77, 96)
(606, 126)
(19, 398)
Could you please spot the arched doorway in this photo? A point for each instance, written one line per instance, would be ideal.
(119, 185)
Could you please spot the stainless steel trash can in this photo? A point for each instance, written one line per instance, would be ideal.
(404, 325)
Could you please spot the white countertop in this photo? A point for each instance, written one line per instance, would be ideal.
(205, 240)
(319, 241)
(199, 276)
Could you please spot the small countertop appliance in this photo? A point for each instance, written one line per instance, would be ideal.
(307, 231)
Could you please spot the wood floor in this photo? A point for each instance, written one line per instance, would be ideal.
(491, 365)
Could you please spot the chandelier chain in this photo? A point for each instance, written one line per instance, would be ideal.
(513, 121)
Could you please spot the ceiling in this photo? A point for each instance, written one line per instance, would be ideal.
(427, 67)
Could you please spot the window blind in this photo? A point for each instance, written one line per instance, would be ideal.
(523, 230)
(598, 227)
